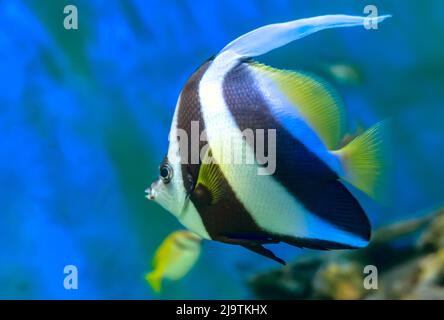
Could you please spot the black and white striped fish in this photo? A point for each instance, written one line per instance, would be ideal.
(303, 201)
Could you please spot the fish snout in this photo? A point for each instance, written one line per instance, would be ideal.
(151, 191)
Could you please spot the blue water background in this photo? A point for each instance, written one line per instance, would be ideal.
(85, 114)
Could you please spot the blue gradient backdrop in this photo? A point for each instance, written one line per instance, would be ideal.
(84, 118)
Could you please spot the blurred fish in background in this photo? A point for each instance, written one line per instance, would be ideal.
(84, 116)
(344, 73)
(174, 258)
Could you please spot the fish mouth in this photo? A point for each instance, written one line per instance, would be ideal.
(151, 191)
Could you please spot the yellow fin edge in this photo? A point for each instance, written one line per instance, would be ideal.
(366, 161)
(315, 99)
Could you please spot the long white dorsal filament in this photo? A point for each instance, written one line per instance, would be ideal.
(272, 36)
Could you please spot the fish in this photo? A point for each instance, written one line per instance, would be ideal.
(174, 258)
(304, 199)
(343, 73)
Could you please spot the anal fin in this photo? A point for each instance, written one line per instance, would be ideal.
(259, 249)
(254, 245)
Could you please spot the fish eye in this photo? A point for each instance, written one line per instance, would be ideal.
(166, 173)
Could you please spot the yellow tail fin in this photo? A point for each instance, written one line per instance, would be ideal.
(366, 161)
(155, 280)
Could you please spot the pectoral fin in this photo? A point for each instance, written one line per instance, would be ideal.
(210, 187)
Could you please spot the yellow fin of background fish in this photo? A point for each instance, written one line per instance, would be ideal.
(159, 262)
(366, 161)
(317, 102)
(210, 176)
(154, 278)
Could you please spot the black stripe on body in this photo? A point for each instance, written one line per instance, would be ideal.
(302, 173)
(227, 218)
(190, 110)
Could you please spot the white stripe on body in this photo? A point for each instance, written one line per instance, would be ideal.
(185, 210)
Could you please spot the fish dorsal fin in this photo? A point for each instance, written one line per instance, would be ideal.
(316, 100)
(210, 183)
(272, 36)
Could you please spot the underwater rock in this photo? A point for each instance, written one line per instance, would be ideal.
(433, 237)
(409, 256)
(339, 280)
(421, 278)
(289, 282)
